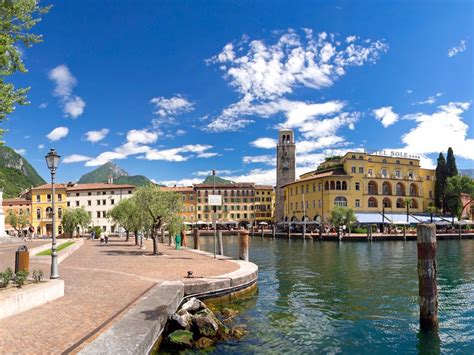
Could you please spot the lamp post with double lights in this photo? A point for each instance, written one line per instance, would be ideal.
(52, 161)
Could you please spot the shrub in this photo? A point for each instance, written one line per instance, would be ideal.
(20, 278)
(5, 277)
(38, 275)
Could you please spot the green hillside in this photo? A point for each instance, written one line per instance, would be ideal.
(120, 176)
(16, 174)
(219, 180)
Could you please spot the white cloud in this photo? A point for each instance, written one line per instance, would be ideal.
(262, 73)
(96, 136)
(207, 155)
(58, 133)
(105, 157)
(21, 151)
(386, 115)
(263, 159)
(178, 154)
(440, 130)
(430, 100)
(171, 107)
(208, 172)
(73, 105)
(75, 158)
(142, 136)
(41, 146)
(181, 182)
(264, 143)
(457, 49)
(409, 91)
(43, 105)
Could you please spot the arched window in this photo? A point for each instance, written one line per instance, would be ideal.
(413, 190)
(372, 202)
(49, 212)
(386, 188)
(38, 213)
(326, 185)
(332, 185)
(344, 185)
(397, 161)
(400, 189)
(293, 219)
(353, 157)
(60, 212)
(411, 163)
(413, 204)
(361, 157)
(387, 203)
(384, 161)
(373, 188)
(400, 203)
(340, 201)
(338, 185)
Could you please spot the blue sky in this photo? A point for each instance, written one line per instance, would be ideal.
(173, 89)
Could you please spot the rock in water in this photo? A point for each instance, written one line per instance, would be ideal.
(193, 305)
(204, 343)
(181, 338)
(229, 314)
(204, 324)
(179, 321)
(238, 332)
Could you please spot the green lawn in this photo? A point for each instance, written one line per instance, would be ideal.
(59, 248)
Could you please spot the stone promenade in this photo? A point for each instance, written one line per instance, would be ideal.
(101, 282)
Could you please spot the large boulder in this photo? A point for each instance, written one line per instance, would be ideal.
(181, 338)
(181, 320)
(238, 331)
(204, 324)
(229, 314)
(193, 305)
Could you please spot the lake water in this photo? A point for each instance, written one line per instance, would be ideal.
(359, 297)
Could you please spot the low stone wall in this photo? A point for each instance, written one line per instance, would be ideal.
(143, 324)
(30, 296)
(63, 254)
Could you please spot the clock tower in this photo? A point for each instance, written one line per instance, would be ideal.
(285, 168)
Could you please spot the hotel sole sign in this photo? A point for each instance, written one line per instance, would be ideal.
(393, 153)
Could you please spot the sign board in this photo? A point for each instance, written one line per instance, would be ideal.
(215, 200)
(393, 154)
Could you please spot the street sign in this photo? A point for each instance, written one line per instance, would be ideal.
(215, 200)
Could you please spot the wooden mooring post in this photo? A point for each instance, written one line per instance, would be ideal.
(196, 238)
(219, 242)
(428, 291)
(244, 245)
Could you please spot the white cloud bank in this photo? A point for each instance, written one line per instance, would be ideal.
(264, 143)
(57, 133)
(73, 105)
(172, 106)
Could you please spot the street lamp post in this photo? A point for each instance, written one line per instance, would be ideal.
(52, 161)
(214, 216)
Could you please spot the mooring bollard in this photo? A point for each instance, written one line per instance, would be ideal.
(244, 245)
(196, 238)
(289, 232)
(219, 242)
(263, 233)
(273, 232)
(428, 292)
(304, 232)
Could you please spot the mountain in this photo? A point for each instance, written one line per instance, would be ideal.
(467, 172)
(105, 172)
(221, 181)
(16, 174)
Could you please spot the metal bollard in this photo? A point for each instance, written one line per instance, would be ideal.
(22, 259)
(219, 242)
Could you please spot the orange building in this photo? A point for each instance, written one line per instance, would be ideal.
(20, 206)
(189, 201)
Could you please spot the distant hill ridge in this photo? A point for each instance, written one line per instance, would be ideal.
(218, 180)
(119, 176)
(467, 172)
(16, 173)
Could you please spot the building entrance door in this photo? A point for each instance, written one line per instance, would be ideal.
(49, 230)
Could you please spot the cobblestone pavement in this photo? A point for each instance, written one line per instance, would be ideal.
(7, 252)
(101, 280)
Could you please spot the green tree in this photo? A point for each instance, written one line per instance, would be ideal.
(440, 183)
(18, 222)
(74, 218)
(451, 168)
(342, 216)
(127, 214)
(431, 209)
(17, 18)
(160, 206)
(408, 201)
(455, 186)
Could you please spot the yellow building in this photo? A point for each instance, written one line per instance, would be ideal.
(41, 209)
(264, 203)
(189, 201)
(364, 182)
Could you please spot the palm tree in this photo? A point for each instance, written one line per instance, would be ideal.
(408, 201)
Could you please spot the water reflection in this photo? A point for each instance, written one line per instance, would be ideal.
(352, 297)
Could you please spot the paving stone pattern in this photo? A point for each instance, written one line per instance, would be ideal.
(101, 280)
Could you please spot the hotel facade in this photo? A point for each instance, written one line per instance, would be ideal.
(363, 182)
